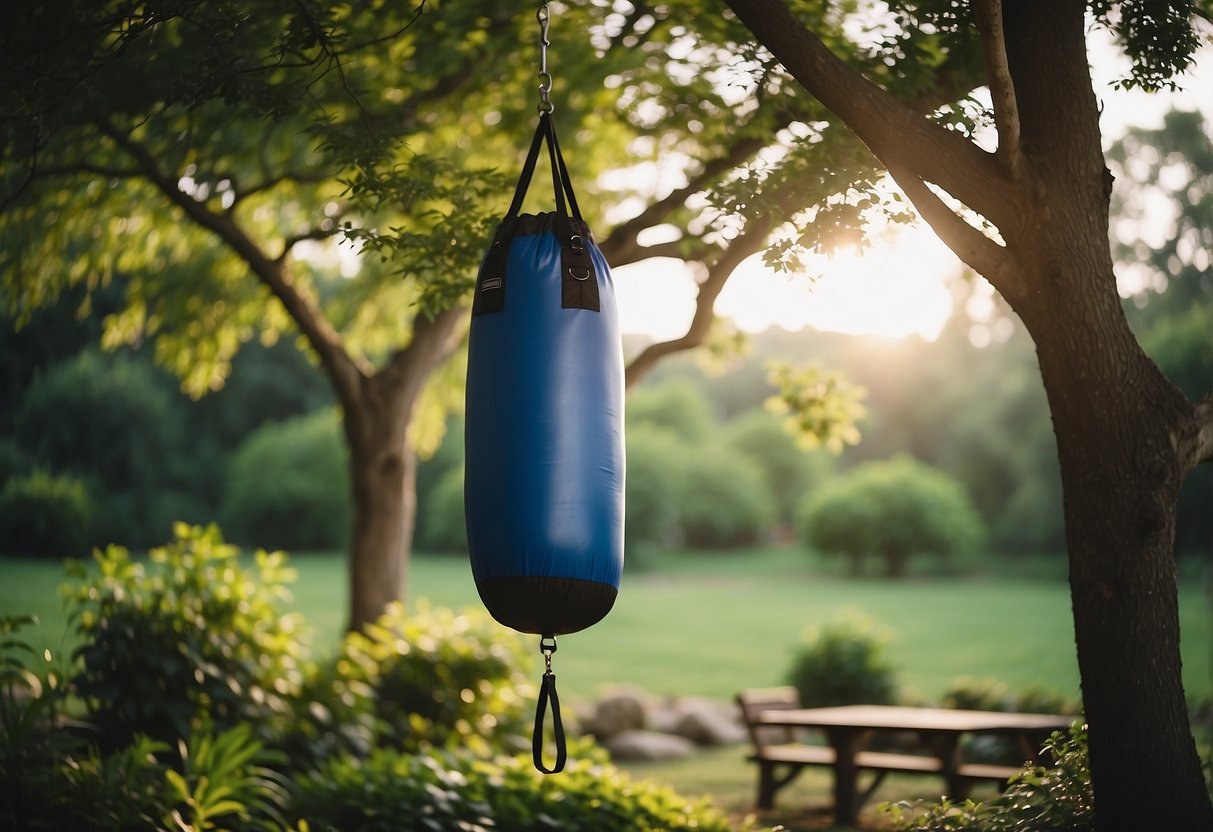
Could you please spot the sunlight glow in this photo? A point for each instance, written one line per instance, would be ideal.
(894, 289)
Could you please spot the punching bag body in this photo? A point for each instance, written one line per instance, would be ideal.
(544, 476)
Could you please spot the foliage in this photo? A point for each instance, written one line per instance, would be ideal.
(655, 487)
(988, 694)
(1039, 798)
(823, 408)
(891, 510)
(429, 679)
(725, 502)
(843, 663)
(44, 515)
(192, 638)
(32, 735)
(459, 792)
(442, 527)
(789, 470)
(113, 419)
(288, 485)
(676, 406)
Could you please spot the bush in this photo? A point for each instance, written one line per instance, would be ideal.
(654, 489)
(429, 679)
(45, 516)
(458, 792)
(1041, 798)
(116, 422)
(441, 525)
(725, 502)
(289, 486)
(891, 510)
(677, 406)
(843, 663)
(191, 639)
(788, 469)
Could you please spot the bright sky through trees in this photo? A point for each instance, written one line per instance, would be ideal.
(898, 286)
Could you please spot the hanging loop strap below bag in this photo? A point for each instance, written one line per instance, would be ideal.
(547, 694)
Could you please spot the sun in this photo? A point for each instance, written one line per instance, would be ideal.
(894, 289)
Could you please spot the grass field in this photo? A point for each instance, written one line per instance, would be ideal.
(711, 624)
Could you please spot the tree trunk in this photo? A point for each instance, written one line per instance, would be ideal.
(383, 474)
(1117, 420)
(383, 466)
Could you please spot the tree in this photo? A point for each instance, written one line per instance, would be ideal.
(1126, 435)
(892, 510)
(217, 157)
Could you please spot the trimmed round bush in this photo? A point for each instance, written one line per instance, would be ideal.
(289, 485)
(726, 501)
(843, 663)
(891, 511)
(44, 515)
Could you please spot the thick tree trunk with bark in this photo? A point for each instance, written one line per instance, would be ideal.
(1117, 420)
(383, 466)
(1126, 436)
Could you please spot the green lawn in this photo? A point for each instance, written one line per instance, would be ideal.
(710, 624)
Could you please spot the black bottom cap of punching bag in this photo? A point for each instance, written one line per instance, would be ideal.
(547, 606)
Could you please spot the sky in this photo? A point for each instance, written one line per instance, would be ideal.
(897, 287)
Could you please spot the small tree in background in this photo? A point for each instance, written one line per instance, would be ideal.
(891, 510)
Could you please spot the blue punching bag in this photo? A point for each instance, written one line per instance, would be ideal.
(543, 490)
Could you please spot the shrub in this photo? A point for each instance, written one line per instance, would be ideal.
(654, 488)
(115, 421)
(432, 678)
(441, 526)
(843, 663)
(1039, 798)
(788, 469)
(32, 741)
(46, 516)
(192, 638)
(677, 406)
(289, 485)
(891, 510)
(149, 785)
(725, 502)
(458, 792)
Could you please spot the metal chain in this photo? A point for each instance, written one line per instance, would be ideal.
(545, 77)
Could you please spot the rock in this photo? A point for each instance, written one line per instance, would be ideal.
(648, 745)
(707, 723)
(618, 712)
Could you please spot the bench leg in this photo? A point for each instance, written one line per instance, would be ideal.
(767, 784)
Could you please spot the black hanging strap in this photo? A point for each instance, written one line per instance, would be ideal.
(547, 693)
(578, 276)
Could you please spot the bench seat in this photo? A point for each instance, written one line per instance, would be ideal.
(816, 755)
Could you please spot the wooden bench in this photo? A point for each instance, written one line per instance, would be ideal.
(781, 755)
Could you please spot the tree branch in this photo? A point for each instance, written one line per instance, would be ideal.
(988, 14)
(747, 243)
(618, 246)
(985, 256)
(311, 234)
(893, 131)
(342, 368)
